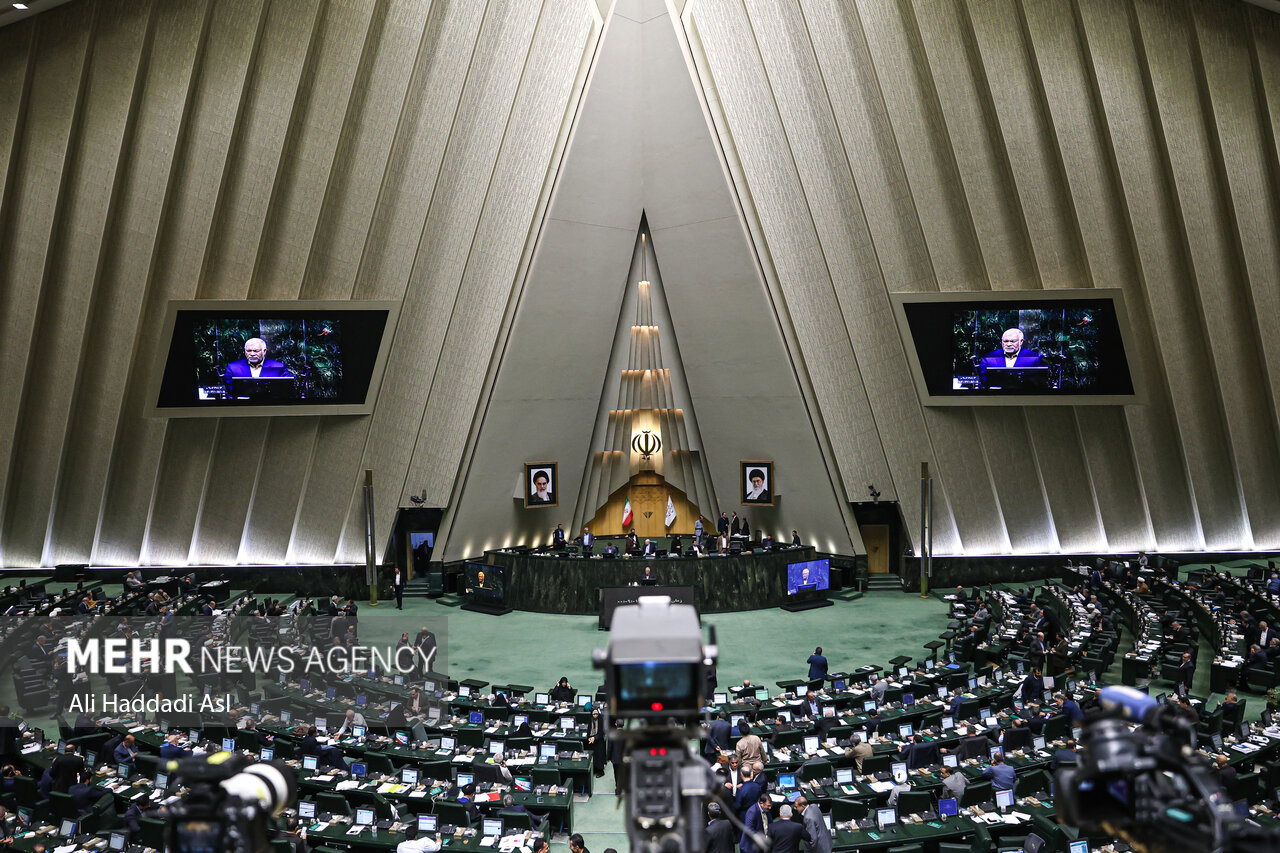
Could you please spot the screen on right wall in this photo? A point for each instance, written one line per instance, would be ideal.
(1053, 347)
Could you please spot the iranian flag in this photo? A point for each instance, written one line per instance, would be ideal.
(626, 513)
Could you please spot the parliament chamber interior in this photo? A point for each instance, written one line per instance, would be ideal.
(670, 426)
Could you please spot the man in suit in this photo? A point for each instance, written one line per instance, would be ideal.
(66, 769)
(255, 364)
(817, 668)
(719, 831)
(722, 524)
(397, 585)
(126, 752)
(1011, 353)
(811, 708)
(1266, 634)
(587, 540)
(953, 784)
(557, 537)
(1070, 708)
(795, 539)
(208, 608)
(649, 548)
(1186, 671)
(748, 792)
(647, 579)
(509, 805)
(785, 834)
(81, 792)
(731, 773)
(171, 749)
(718, 731)
(819, 835)
(1037, 651)
(756, 819)
(1002, 776)
(735, 525)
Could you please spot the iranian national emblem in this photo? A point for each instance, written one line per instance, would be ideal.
(646, 444)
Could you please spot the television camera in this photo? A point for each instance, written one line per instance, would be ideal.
(655, 674)
(228, 804)
(1148, 785)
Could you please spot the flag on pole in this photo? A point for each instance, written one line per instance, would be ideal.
(671, 511)
(626, 513)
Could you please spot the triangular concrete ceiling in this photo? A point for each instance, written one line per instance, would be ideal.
(642, 145)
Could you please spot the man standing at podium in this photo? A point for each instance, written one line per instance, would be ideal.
(255, 364)
(1012, 353)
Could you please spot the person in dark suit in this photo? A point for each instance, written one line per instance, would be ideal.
(133, 816)
(81, 792)
(719, 831)
(1012, 353)
(509, 805)
(754, 818)
(207, 610)
(718, 731)
(84, 725)
(66, 769)
(1226, 773)
(722, 524)
(649, 548)
(1186, 671)
(819, 835)
(588, 540)
(255, 364)
(785, 834)
(171, 749)
(647, 579)
(633, 541)
(397, 585)
(126, 752)
(817, 668)
(748, 794)
(557, 537)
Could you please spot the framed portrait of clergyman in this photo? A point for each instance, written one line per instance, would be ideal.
(540, 484)
(757, 482)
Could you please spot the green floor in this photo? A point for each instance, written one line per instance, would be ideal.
(765, 646)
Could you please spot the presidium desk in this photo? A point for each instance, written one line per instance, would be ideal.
(555, 584)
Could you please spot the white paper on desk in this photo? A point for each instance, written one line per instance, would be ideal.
(490, 730)
(135, 729)
(30, 748)
(519, 762)
(325, 778)
(355, 830)
(66, 848)
(348, 785)
(880, 787)
(1017, 817)
(461, 759)
(417, 795)
(487, 841)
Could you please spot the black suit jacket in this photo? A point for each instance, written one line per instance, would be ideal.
(786, 835)
(66, 770)
(720, 837)
(718, 733)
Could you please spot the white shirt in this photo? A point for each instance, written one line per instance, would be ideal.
(418, 845)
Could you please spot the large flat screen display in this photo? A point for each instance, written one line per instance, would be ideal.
(227, 358)
(1049, 347)
(809, 576)
(485, 582)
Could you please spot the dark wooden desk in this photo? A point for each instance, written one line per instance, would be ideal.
(552, 584)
